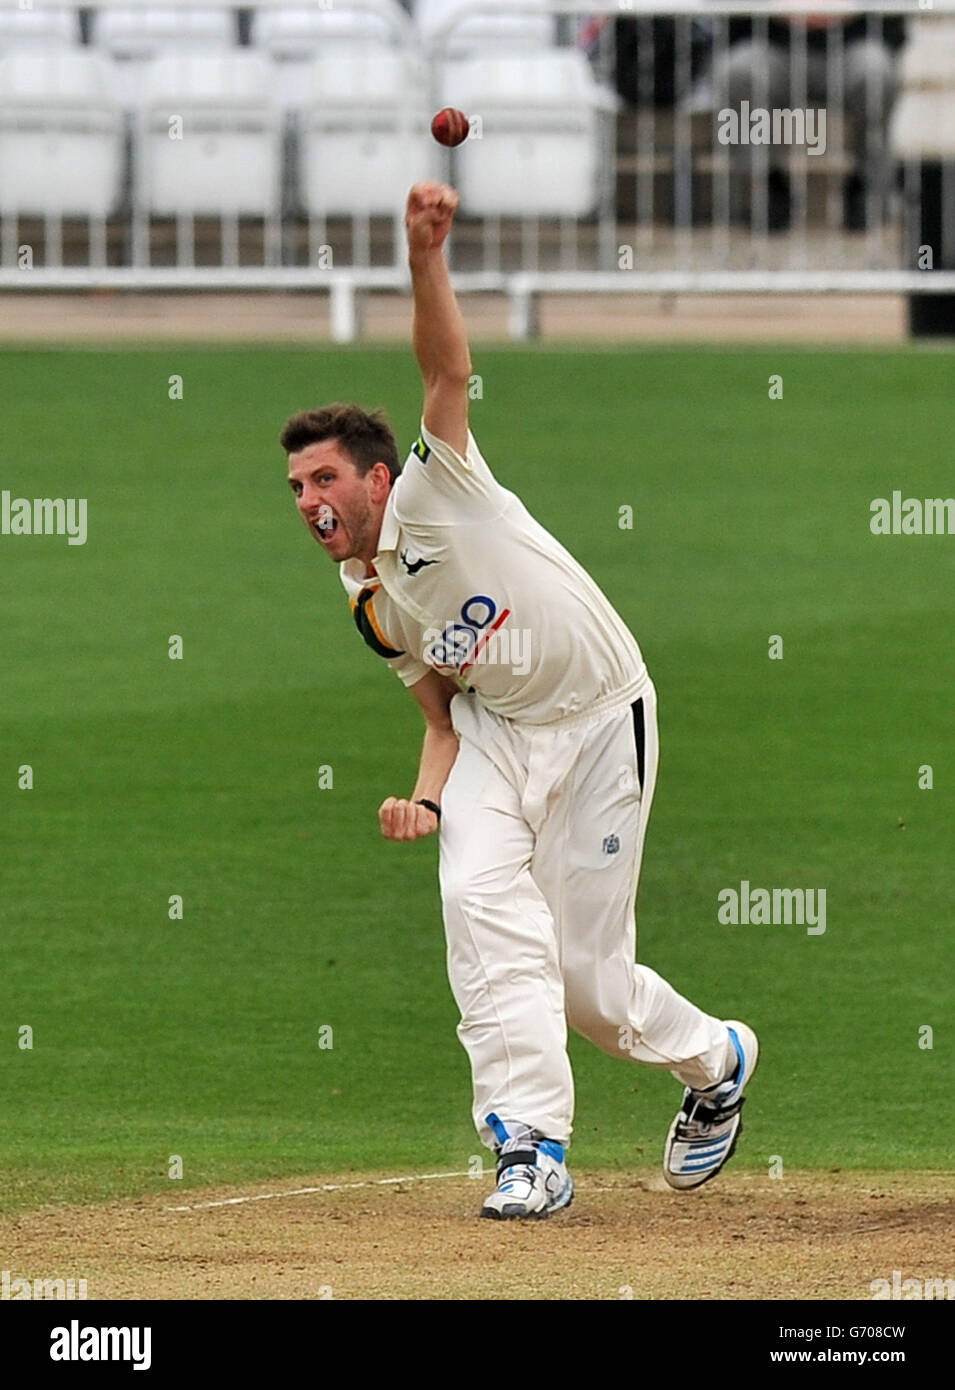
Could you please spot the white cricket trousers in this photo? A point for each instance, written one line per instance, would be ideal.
(542, 830)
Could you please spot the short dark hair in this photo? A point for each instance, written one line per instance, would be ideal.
(366, 437)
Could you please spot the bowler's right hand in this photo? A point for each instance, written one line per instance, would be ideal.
(428, 216)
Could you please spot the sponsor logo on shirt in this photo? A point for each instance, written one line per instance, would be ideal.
(460, 643)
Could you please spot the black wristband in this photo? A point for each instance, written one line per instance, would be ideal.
(432, 806)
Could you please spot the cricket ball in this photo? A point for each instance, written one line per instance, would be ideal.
(450, 126)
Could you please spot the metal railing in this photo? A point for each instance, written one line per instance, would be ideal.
(673, 192)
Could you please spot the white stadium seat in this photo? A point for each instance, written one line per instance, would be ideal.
(922, 123)
(478, 33)
(144, 33)
(297, 36)
(363, 133)
(228, 161)
(538, 151)
(134, 37)
(928, 58)
(61, 133)
(54, 24)
(298, 33)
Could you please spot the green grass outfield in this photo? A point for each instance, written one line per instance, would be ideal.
(199, 777)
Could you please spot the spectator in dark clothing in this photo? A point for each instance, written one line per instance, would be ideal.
(652, 42)
(761, 74)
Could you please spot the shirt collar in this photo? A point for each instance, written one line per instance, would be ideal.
(388, 536)
(353, 570)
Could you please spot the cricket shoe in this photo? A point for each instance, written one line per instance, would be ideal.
(532, 1181)
(703, 1136)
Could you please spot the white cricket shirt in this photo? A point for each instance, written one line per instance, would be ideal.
(467, 582)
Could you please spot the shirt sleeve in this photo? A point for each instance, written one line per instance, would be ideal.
(409, 669)
(441, 485)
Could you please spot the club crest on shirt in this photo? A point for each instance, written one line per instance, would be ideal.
(413, 566)
(611, 844)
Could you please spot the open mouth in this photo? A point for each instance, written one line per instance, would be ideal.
(326, 528)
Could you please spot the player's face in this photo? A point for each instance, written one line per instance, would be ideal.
(336, 503)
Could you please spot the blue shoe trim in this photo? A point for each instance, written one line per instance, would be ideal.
(737, 1076)
(500, 1133)
(552, 1149)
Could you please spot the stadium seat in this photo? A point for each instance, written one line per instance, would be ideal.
(228, 160)
(363, 133)
(296, 37)
(527, 33)
(922, 124)
(61, 133)
(537, 149)
(135, 37)
(299, 33)
(55, 25)
(145, 33)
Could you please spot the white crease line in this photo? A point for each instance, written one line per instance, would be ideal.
(308, 1191)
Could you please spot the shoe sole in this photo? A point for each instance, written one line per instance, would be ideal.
(514, 1213)
(747, 1077)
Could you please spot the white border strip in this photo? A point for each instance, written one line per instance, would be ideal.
(309, 1191)
(217, 279)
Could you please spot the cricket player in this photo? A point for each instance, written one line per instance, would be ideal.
(537, 767)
